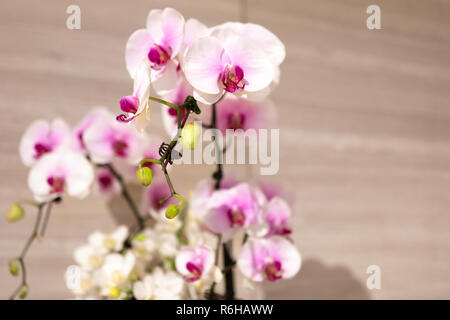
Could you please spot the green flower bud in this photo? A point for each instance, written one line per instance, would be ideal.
(190, 135)
(144, 176)
(13, 267)
(24, 292)
(172, 211)
(15, 213)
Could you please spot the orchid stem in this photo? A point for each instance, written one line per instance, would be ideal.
(170, 105)
(27, 246)
(127, 196)
(227, 247)
(46, 218)
(141, 163)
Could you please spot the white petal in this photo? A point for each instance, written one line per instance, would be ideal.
(80, 175)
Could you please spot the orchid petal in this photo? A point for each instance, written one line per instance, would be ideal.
(137, 48)
(258, 70)
(203, 65)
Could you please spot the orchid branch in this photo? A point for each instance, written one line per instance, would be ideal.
(167, 103)
(126, 195)
(165, 158)
(218, 176)
(22, 289)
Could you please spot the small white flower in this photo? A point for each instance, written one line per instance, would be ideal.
(117, 268)
(159, 285)
(106, 242)
(88, 257)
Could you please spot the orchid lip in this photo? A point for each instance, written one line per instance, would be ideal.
(236, 216)
(120, 148)
(158, 56)
(41, 149)
(105, 182)
(124, 118)
(232, 78)
(273, 270)
(129, 104)
(56, 183)
(195, 270)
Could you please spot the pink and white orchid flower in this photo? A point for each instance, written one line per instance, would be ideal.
(152, 196)
(239, 113)
(193, 263)
(109, 140)
(236, 208)
(235, 65)
(158, 44)
(278, 217)
(42, 137)
(59, 172)
(77, 142)
(272, 259)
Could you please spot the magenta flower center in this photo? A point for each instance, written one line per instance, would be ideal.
(195, 271)
(41, 149)
(56, 184)
(233, 78)
(236, 216)
(281, 230)
(273, 270)
(105, 181)
(158, 57)
(120, 148)
(235, 121)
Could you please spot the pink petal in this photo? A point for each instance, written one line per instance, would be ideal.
(244, 113)
(167, 80)
(268, 41)
(136, 51)
(252, 258)
(203, 65)
(185, 255)
(285, 252)
(173, 29)
(258, 70)
(193, 30)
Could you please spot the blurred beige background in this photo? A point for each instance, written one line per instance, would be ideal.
(365, 134)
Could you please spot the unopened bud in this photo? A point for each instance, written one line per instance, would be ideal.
(24, 292)
(144, 176)
(172, 211)
(190, 135)
(15, 213)
(13, 267)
